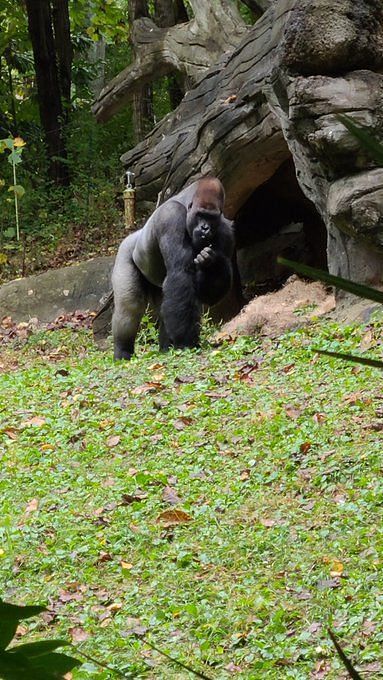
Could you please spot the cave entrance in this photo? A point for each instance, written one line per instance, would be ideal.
(277, 220)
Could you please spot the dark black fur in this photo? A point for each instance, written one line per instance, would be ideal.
(180, 260)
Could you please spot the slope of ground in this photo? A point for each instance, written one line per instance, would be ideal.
(272, 453)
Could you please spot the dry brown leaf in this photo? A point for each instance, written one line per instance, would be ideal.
(336, 568)
(267, 522)
(113, 440)
(126, 565)
(78, 634)
(305, 447)
(169, 495)
(11, 433)
(36, 421)
(293, 412)
(32, 506)
(181, 422)
(173, 517)
(148, 387)
(128, 498)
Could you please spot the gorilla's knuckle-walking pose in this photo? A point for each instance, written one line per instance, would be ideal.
(178, 261)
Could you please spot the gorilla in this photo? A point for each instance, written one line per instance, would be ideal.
(178, 261)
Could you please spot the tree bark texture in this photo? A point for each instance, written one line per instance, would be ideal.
(143, 115)
(48, 87)
(273, 94)
(63, 47)
(186, 48)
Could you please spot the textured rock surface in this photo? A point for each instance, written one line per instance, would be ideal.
(46, 296)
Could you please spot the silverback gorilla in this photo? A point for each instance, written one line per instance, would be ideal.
(179, 260)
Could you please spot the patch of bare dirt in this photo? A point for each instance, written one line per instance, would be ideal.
(296, 304)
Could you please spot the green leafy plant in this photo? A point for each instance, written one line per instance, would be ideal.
(15, 146)
(34, 660)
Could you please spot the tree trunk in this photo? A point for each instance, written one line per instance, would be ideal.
(187, 49)
(63, 46)
(277, 96)
(48, 88)
(168, 13)
(143, 115)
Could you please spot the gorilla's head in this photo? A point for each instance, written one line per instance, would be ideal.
(202, 225)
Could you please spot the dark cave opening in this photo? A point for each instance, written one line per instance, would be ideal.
(277, 220)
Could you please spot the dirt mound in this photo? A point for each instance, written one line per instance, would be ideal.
(273, 314)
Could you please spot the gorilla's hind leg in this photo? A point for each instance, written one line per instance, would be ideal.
(125, 324)
(130, 301)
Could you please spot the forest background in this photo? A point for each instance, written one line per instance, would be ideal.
(55, 58)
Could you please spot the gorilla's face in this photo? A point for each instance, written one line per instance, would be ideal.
(202, 227)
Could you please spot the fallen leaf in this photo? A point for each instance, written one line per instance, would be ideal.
(128, 498)
(32, 506)
(126, 565)
(173, 517)
(288, 368)
(78, 634)
(336, 568)
(104, 557)
(305, 447)
(267, 522)
(113, 441)
(181, 422)
(36, 421)
(147, 388)
(293, 412)
(11, 433)
(169, 495)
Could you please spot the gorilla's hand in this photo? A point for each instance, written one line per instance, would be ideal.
(205, 258)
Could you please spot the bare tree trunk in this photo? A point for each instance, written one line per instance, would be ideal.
(187, 49)
(63, 45)
(48, 87)
(142, 101)
(169, 13)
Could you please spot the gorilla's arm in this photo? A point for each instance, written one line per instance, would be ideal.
(214, 272)
(180, 310)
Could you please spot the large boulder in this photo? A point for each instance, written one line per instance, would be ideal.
(57, 291)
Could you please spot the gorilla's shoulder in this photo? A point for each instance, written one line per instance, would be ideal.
(172, 207)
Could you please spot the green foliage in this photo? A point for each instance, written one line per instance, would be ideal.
(34, 660)
(15, 147)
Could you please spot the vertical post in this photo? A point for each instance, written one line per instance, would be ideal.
(130, 202)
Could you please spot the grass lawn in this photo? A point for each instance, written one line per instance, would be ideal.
(272, 453)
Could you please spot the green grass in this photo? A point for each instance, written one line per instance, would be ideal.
(279, 469)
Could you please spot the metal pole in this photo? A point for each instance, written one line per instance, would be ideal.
(130, 202)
